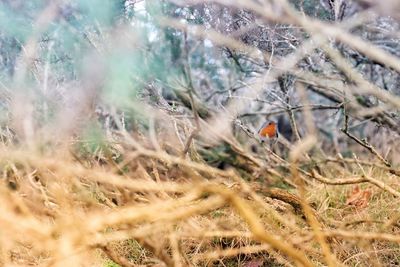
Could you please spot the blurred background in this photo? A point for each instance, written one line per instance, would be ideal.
(69, 69)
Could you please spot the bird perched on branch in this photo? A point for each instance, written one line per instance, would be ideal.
(268, 131)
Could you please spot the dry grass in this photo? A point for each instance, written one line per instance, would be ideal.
(165, 210)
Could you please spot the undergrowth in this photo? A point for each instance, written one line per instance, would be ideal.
(156, 209)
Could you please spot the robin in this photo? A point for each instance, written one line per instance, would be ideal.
(268, 131)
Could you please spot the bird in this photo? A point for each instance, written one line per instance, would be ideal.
(268, 131)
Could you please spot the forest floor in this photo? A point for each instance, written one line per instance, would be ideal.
(150, 208)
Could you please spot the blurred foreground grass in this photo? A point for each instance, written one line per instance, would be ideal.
(160, 211)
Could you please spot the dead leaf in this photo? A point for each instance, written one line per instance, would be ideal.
(359, 198)
(254, 263)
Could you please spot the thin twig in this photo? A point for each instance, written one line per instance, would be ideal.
(363, 142)
(293, 109)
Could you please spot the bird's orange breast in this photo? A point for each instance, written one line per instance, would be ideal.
(269, 131)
